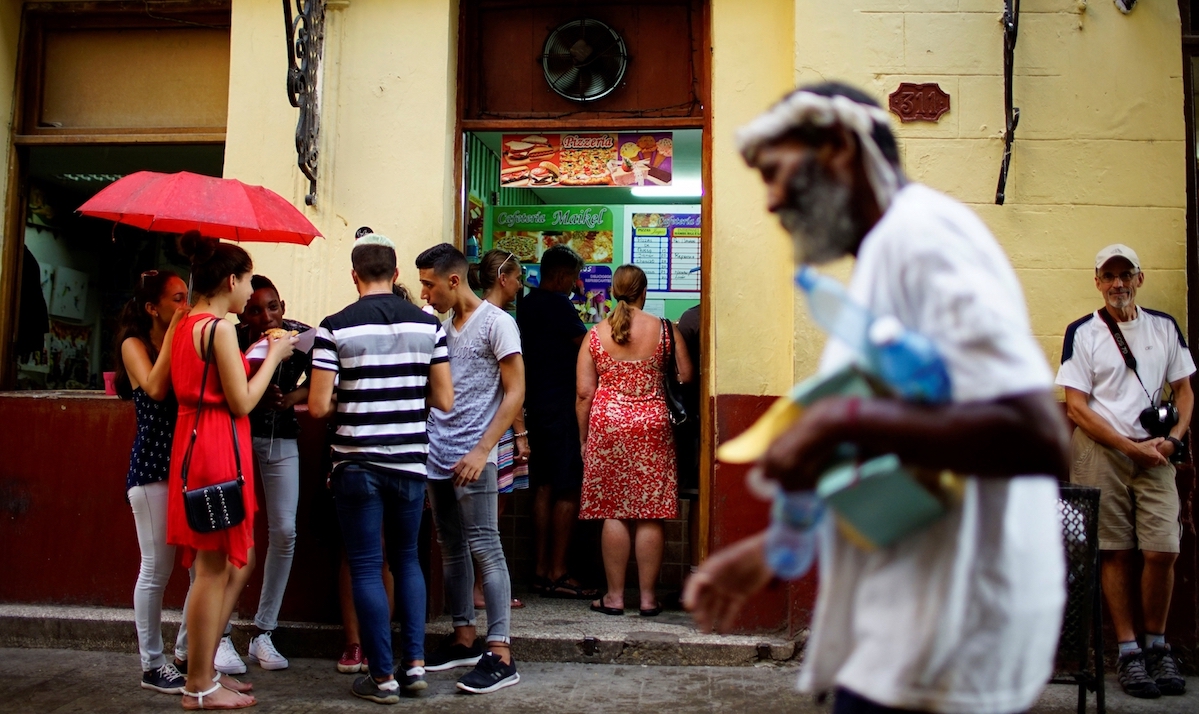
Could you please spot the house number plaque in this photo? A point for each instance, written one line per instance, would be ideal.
(919, 102)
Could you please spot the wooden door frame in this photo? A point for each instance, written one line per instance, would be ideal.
(704, 123)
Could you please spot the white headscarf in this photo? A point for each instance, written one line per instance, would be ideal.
(803, 108)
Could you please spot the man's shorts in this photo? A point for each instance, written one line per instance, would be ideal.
(1138, 507)
(555, 455)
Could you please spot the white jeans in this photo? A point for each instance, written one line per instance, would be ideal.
(149, 504)
(279, 464)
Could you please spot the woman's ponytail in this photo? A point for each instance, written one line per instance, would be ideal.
(628, 285)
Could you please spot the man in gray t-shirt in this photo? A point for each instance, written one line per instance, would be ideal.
(489, 387)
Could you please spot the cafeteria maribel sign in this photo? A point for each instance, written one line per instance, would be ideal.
(550, 160)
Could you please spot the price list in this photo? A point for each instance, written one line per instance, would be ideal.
(668, 250)
(651, 251)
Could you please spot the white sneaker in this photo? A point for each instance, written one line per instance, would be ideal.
(262, 651)
(227, 660)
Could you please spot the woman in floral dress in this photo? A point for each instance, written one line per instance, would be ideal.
(629, 466)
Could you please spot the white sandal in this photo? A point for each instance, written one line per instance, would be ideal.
(200, 695)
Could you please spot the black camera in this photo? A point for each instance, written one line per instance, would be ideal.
(1159, 420)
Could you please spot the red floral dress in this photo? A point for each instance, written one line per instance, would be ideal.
(629, 466)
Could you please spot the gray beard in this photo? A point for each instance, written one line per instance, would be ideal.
(821, 222)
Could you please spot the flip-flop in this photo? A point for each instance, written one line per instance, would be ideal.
(515, 605)
(652, 612)
(541, 584)
(563, 589)
(604, 609)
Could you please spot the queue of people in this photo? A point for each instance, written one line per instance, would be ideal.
(419, 408)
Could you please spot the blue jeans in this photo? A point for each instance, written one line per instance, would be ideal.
(467, 521)
(370, 505)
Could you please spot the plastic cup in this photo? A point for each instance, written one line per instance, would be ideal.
(110, 383)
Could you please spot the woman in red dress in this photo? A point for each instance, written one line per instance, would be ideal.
(629, 465)
(223, 559)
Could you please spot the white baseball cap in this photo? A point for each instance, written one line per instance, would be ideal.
(1118, 250)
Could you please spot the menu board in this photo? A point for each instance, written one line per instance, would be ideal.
(665, 242)
(551, 160)
(528, 231)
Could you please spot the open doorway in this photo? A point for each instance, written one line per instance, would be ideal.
(77, 272)
(592, 114)
(642, 207)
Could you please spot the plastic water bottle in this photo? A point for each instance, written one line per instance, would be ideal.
(907, 361)
(792, 537)
(472, 249)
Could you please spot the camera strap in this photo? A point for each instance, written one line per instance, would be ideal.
(1125, 351)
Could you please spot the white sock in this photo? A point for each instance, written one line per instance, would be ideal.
(1127, 648)
(1152, 640)
(389, 686)
(414, 671)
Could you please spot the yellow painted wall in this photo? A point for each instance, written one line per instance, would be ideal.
(1100, 151)
(10, 29)
(751, 294)
(386, 137)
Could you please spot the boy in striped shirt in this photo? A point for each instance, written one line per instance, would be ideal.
(388, 363)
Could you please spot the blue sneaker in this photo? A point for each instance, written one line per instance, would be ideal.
(489, 675)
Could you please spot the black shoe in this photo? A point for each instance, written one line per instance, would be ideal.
(1164, 670)
(165, 679)
(1135, 681)
(367, 688)
(412, 679)
(451, 654)
(181, 666)
(489, 675)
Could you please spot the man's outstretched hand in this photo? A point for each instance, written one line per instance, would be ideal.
(715, 593)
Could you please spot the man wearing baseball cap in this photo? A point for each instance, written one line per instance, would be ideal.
(1115, 363)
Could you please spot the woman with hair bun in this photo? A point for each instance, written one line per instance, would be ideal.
(223, 559)
(145, 330)
(629, 465)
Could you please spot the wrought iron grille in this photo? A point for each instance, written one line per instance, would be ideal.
(305, 39)
(1080, 644)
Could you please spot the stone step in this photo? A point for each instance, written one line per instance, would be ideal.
(543, 631)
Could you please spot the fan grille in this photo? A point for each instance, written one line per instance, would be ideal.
(584, 60)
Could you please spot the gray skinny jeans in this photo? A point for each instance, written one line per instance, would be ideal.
(149, 504)
(468, 525)
(279, 465)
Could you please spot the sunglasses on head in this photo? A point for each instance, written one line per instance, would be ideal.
(148, 274)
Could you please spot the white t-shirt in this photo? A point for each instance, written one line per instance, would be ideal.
(964, 615)
(488, 336)
(1092, 363)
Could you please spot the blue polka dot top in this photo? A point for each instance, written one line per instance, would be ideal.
(150, 459)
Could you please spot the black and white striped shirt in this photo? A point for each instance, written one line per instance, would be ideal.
(381, 348)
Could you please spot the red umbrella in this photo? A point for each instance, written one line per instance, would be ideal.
(216, 207)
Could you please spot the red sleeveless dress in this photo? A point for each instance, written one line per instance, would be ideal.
(212, 458)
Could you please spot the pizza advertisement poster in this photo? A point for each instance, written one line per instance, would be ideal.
(528, 231)
(602, 159)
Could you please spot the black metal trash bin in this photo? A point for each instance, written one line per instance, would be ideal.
(1080, 645)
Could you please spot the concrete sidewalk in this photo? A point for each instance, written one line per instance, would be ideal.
(38, 681)
(546, 630)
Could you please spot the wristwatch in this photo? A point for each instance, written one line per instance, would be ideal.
(1178, 453)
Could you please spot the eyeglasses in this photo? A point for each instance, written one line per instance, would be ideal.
(1125, 277)
(148, 274)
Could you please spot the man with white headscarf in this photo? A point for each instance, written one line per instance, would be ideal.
(964, 615)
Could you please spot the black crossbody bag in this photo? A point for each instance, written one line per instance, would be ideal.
(1157, 419)
(219, 506)
(674, 391)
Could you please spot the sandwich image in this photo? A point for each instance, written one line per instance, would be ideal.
(515, 176)
(544, 174)
(517, 152)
